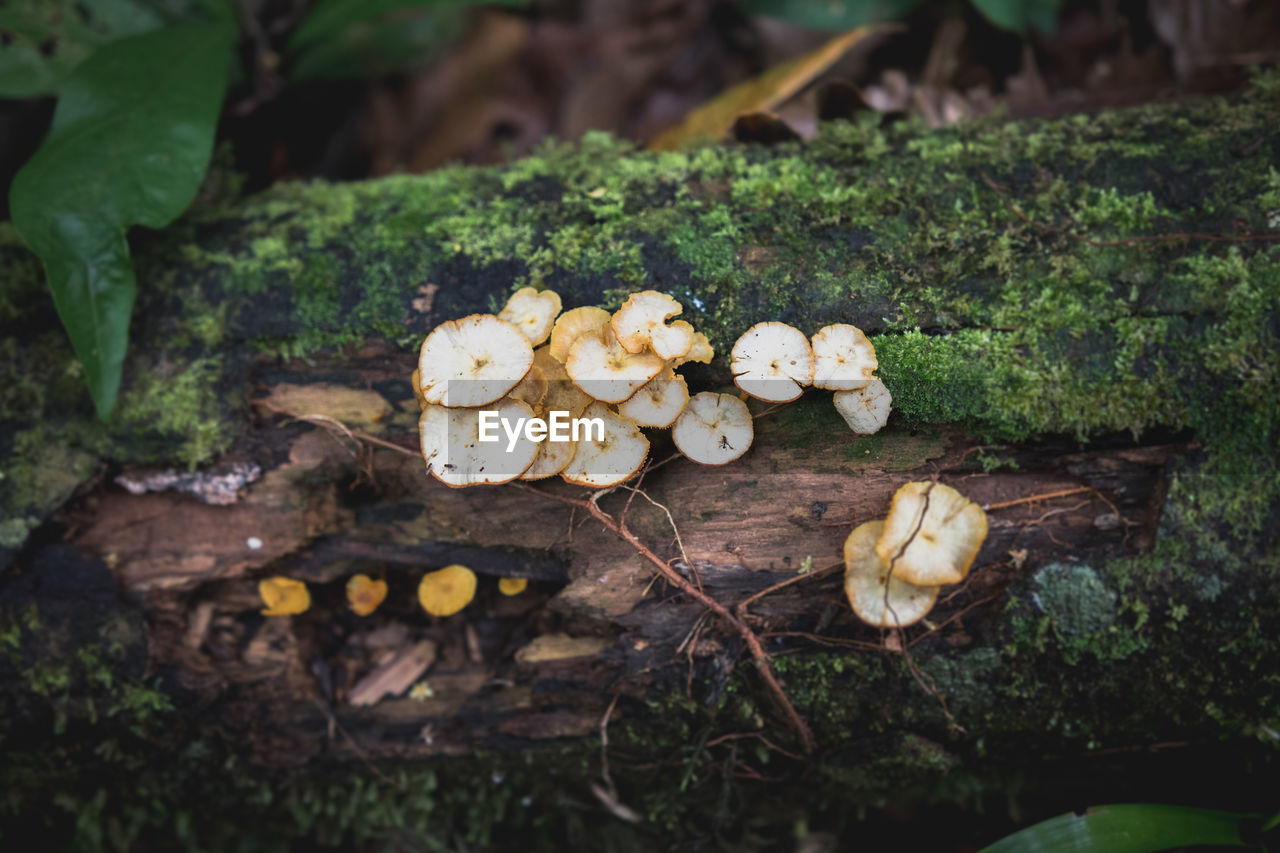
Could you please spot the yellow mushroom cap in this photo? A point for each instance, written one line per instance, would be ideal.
(532, 389)
(445, 592)
(866, 409)
(866, 576)
(843, 358)
(640, 324)
(533, 312)
(613, 460)
(283, 596)
(604, 369)
(714, 429)
(512, 586)
(932, 534)
(365, 594)
(473, 361)
(658, 402)
(772, 362)
(455, 455)
(573, 324)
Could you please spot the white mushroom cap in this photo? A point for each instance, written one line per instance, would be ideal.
(641, 324)
(614, 460)
(451, 446)
(562, 395)
(599, 365)
(866, 577)
(843, 358)
(473, 361)
(533, 312)
(573, 324)
(701, 352)
(932, 534)
(773, 362)
(713, 429)
(659, 402)
(865, 410)
(553, 457)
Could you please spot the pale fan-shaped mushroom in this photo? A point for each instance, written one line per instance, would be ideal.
(612, 459)
(843, 358)
(772, 361)
(701, 352)
(932, 534)
(454, 453)
(603, 368)
(865, 410)
(533, 312)
(866, 577)
(573, 324)
(473, 361)
(659, 402)
(641, 323)
(714, 429)
(562, 394)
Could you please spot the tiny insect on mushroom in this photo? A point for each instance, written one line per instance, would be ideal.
(473, 361)
(447, 591)
(573, 324)
(714, 429)
(605, 370)
(533, 312)
(843, 358)
(512, 586)
(658, 402)
(365, 594)
(866, 576)
(932, 534)
(772, 362)
(866, 409)
(641, 323)
(283, 596)
(609, 460)
(455, 455)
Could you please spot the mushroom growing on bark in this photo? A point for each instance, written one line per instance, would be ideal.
(283, 596)
(473, 361)
(364, 594)
(866, 409)
(932, 534)
(641, 323)
(533, 312)
(607, 371)
(445, 592)
(455, 455)
(659, 402)
(876, 597)
(843, 358)
(615, 458)
(714, 429)
(573, 324)
(772, 362)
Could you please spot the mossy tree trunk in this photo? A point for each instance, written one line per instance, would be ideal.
(1063, 343)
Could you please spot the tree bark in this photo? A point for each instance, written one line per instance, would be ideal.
(1078, 322)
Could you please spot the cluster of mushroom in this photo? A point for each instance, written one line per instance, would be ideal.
(773, 361)
(894, 567)
(441, 593)
(530, 361)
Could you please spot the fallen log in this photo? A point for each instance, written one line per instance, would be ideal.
(1077, 319)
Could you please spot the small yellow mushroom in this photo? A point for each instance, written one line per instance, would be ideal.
(283, 596)
(365, 594)
(445, 592)
(512, 586)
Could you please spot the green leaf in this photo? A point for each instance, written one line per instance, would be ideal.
(1126, 829)
(130, 141)
(832, 14)
(1017, 15)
